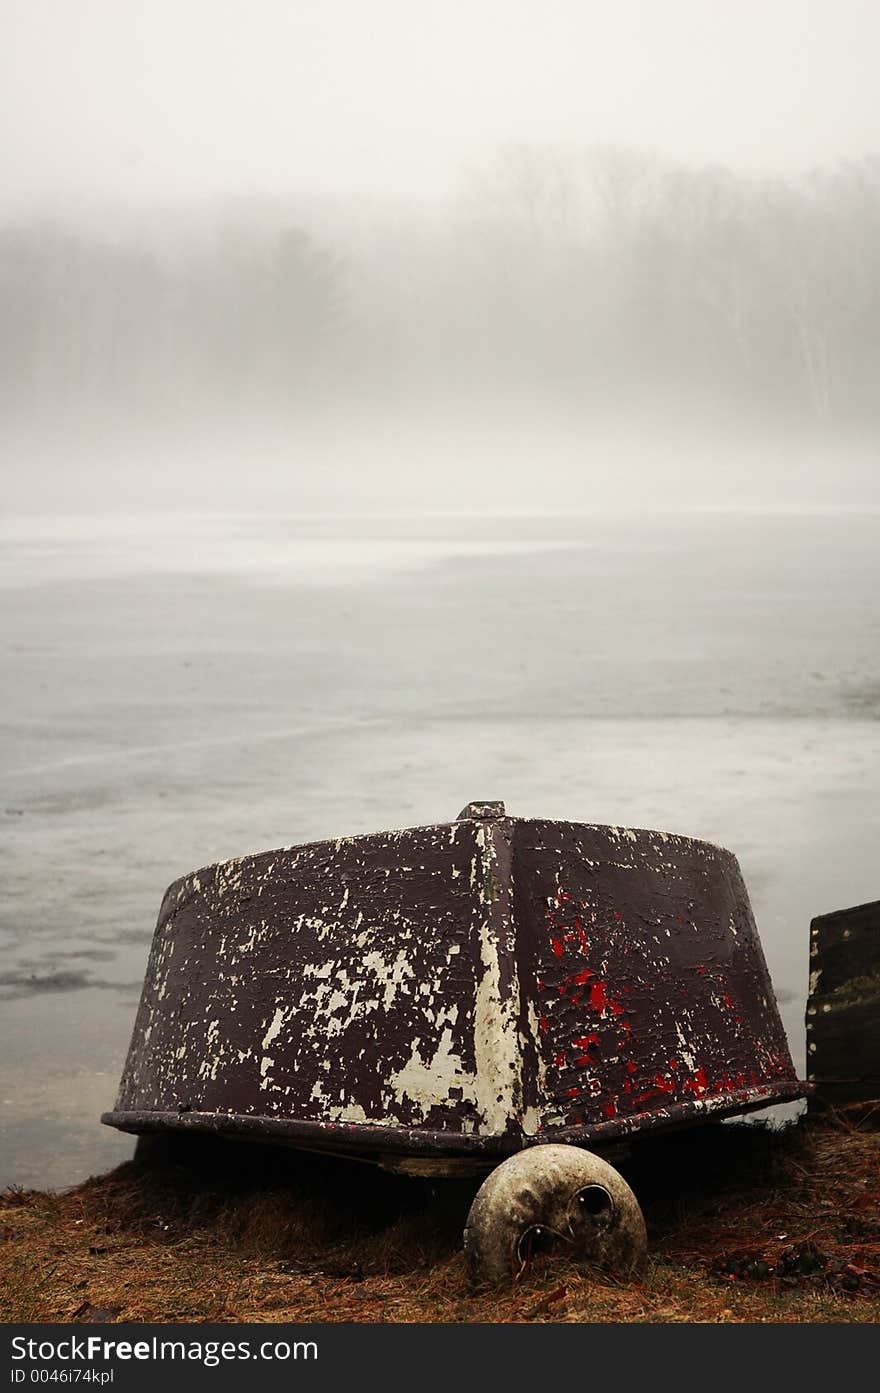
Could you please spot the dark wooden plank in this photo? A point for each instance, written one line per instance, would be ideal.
(843, 1008)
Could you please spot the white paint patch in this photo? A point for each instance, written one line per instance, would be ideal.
(427, 1084)
(390, 977)
(684, 1048)
(496, 1042)
(533, 1116)
(275, 1027)
(351, 1112)
(213, 1055)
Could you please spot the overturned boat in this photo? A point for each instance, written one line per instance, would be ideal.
(441, 998)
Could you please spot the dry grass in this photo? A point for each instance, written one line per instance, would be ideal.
(745, 1225)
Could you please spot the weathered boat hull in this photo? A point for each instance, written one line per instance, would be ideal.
(465, 989)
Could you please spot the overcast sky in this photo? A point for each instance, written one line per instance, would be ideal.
(145, 99)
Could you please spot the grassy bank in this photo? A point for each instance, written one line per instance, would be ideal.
(745, 1224)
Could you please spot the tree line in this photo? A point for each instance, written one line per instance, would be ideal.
(593, 275)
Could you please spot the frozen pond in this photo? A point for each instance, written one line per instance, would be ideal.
(178, 690)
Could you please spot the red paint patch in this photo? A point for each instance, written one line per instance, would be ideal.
(543, 1025)
(601, 1001)
(698, 1083)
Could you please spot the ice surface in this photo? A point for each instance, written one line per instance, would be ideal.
(178, 690)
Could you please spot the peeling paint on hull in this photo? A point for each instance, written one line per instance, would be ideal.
(471, 987)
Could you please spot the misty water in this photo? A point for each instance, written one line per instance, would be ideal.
(181, 689)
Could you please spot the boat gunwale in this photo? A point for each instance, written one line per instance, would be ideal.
(385, 1137)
